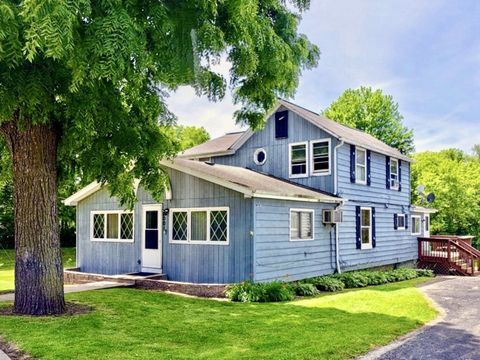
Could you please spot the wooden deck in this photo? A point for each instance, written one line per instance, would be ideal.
(449, 255)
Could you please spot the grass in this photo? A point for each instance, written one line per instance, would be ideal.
(7, 263)
(138, 324)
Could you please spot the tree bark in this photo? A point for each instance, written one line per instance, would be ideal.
(38, 261)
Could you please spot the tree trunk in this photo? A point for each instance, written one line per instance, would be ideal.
(38, 260)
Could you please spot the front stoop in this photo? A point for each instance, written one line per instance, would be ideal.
(149, 282)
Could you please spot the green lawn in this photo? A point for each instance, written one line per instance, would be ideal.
(138, 324)
(7, 261)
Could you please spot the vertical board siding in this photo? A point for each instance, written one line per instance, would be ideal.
(277, 164)
(392, 246)
(278, 258)
(210, 263)
(181, 262)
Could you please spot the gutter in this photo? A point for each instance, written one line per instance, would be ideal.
(335, 192)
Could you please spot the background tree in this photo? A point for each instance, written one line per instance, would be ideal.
(454, 177)
(373, 112)
(189, 136)
(83, 86)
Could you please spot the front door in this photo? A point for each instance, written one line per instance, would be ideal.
(152, 238)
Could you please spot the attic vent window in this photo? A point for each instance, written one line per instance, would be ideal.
(281, 125)
(259, 156)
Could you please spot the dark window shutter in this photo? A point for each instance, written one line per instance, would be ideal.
(368, 167)
(395, 221)
(281, 125)
(399, 175)
(352, 163)
(374, 235)
(387, 167)
(406, 221)
(358, 233)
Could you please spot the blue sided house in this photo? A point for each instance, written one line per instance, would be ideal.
(302, 197)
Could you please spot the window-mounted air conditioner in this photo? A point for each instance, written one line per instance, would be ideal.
(332, 216)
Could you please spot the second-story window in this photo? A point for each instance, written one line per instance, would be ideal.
(298, 160)
(361, 166)
(320, 157)
(394, 183)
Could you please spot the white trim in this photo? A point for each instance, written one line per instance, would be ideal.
(419, 225)
(369, 245)
(426, 223)
(357, 181)
(296, 176)
(255, 154)
(404, 218)
(198, 242)
(105, 213)
(397, 182)
(312, 211)
(321, 173)
(423, 210)
(261, 195)
(88, 190)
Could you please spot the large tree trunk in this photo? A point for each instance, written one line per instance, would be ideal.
(38, 261)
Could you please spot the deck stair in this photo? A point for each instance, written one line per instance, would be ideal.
(448, 255)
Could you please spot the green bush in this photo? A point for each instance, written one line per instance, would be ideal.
(304, 289)
(376, 277)
(402, 274)
(424, 273)
(353, 279)
(327, 283)
(260, 292)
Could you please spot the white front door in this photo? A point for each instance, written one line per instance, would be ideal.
(426, 226)
(152, 238)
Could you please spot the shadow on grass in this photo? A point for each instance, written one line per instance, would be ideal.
(129, 323)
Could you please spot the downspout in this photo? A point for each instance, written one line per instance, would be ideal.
(335, 191)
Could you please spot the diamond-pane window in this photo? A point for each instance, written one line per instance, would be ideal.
(98, 226)
(218, 225)
(180, 225)
(126, 226)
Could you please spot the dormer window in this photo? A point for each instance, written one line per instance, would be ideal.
(361, 165)
(394, 179)
(320, 157)
(298, 156)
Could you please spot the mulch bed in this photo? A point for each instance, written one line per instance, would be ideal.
(72, 309)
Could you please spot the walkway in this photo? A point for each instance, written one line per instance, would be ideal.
(456, 335)
(80, 287)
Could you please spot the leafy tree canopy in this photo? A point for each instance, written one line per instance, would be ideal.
(373, 112)
(454, 177)
(99, 71)
(190, 136)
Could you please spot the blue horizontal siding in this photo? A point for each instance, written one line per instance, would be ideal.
(278, 258)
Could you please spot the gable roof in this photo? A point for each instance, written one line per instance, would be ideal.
(223, 145)
(249, 182)
(229, 143)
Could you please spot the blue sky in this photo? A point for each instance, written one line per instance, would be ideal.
(426, 54)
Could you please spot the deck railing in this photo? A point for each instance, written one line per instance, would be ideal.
(451, 252)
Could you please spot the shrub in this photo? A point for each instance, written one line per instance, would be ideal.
(260, 292)
(424, 273)
(328, 283)
(304, 289)
(402, 274)
(376, 277)
(353, 279)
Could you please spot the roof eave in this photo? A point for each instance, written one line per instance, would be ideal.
(83, 193)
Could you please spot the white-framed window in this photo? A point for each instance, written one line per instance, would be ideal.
(208, 226)
(366, 227)
(427, 223)
(394, 179)
(112, 225)
(416, 225)
(320, 157)
(400, 221)
(298, 160)
(302, 224)
(360, 165)
(260, 156)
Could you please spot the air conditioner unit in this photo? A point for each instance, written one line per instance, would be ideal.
(332, 216)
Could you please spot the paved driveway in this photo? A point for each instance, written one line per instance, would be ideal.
(456, 335)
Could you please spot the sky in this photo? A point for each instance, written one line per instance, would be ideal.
(425, 53)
